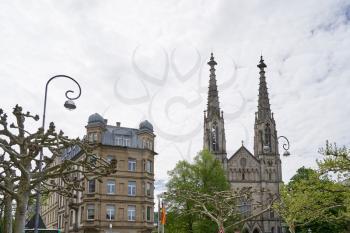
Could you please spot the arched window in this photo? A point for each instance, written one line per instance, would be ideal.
(214, 137)
(267, 134)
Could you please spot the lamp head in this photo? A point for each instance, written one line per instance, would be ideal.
(286, 153)
(70, 105)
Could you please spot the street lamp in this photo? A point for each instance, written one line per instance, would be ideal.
(285, 146)
(70, 105)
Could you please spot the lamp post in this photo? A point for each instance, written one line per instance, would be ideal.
(70, 105)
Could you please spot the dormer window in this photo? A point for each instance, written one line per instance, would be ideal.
(118, 141)
(122, 141)
(92, 137)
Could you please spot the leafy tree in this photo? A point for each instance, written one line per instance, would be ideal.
(312, 201)
(204, 176)
(20, 164)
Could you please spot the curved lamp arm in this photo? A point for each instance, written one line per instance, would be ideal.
(67, 94)
(285, 145)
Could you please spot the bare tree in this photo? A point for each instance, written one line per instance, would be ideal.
(20, 163)
(225, 208)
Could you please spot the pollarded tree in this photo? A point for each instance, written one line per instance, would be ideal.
(200, 198)
(20, 162)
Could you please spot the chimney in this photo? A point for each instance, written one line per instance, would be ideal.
(118, 124)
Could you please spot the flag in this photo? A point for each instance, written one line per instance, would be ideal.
(163, 218)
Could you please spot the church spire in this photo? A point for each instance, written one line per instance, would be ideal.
(264, 110)
(213, 108)
(265, 139)
(214, 129)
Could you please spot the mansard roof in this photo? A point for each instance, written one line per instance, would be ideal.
(243, 148)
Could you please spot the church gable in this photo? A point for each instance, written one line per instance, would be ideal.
(243, 166)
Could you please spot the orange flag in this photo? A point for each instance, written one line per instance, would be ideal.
(163, 214)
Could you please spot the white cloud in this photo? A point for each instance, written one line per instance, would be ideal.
(305, 45)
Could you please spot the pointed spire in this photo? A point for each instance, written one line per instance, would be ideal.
(264, 110)
(213, 97)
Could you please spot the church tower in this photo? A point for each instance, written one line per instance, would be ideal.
(214, 130)
(265, 134)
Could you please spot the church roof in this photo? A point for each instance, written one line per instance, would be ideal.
(239, 151)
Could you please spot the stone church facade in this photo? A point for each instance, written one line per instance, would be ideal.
(261, 169)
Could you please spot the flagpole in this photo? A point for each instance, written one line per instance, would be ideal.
(162, 213)
(158, 213)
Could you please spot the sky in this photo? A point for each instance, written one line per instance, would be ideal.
(138, 60)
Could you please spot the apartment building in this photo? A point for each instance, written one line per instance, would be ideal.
(123, 202)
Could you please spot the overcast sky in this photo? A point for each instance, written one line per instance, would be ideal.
(139, 60)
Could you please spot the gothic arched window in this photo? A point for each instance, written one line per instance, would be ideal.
(214, 137)
(267, 135)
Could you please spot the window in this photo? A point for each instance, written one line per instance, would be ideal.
(148, 189)
(110, 212)
(148, 213)
(91, 186)
(119, 141)
(81, 214)
(149, 166)
(110, 158)
(214, 133)
(110, 186)
(132, 188)
(126, 142)
(268, 136)
(132, 165)
(92, 159)
(245, 208)
(92, 137)
(90, 212)
(131, 213)
(59, 221)
(71, 218)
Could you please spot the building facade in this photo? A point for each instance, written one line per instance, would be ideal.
(260, 170)
(123, 202)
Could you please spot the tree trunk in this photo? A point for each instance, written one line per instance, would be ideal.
(22, 204)
(8, 214)
(292, 228)
(20, 216)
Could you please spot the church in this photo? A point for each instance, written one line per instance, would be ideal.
(260, 169)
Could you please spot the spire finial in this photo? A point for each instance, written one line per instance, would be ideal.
(212, 62)
(261, 64)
